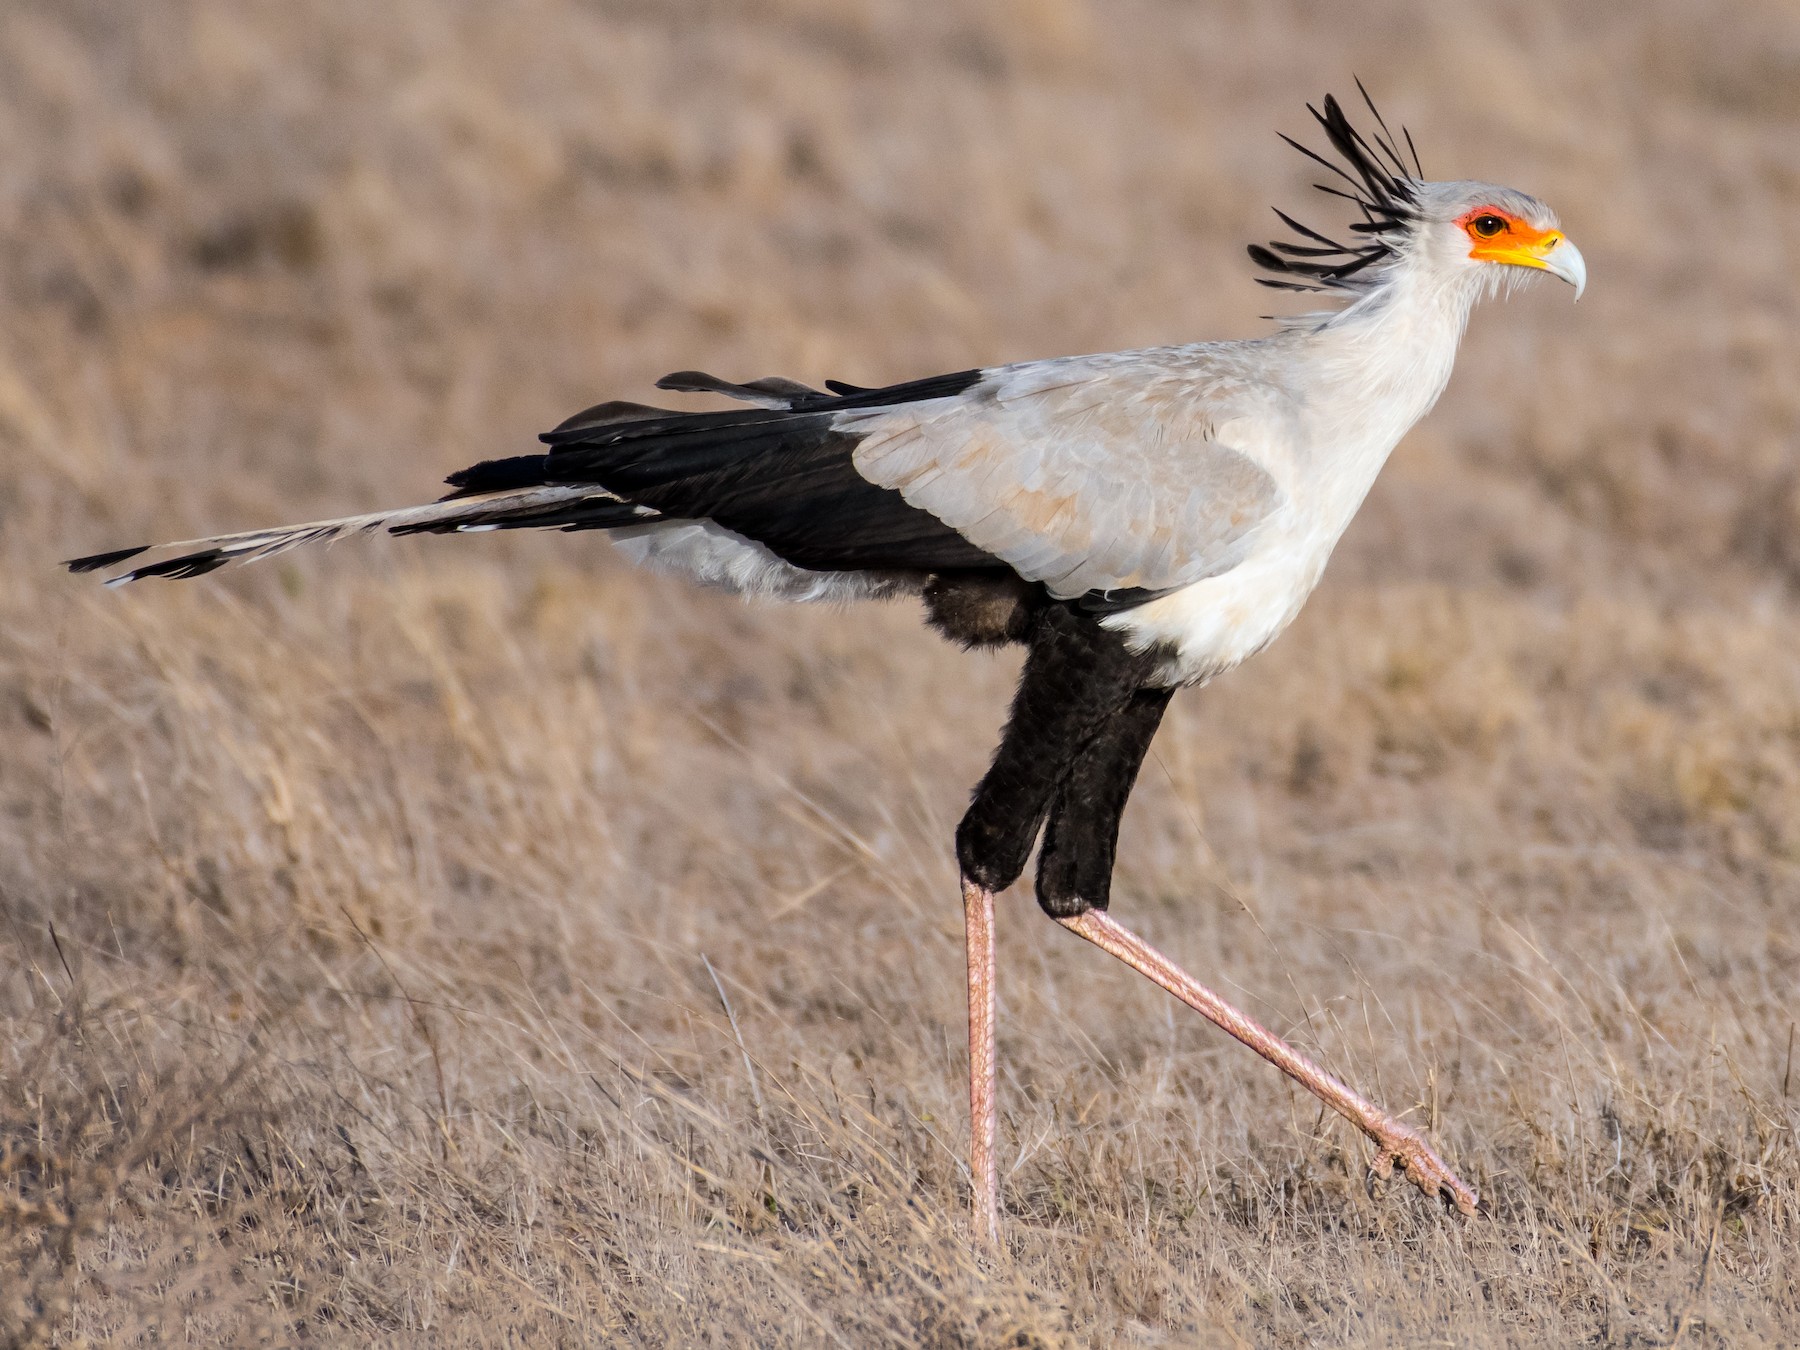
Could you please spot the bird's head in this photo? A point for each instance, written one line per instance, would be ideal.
(1462, 234)
(1487, 234)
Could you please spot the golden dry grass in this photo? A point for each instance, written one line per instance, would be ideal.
(470, 941)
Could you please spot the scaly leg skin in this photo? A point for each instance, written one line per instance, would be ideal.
(984, 1174)
(1397, 1143)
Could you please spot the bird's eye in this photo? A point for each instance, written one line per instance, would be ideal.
(1487, 226)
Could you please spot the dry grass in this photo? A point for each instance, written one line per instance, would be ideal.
(370, 919)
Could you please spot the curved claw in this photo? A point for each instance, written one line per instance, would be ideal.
(1404, 1145)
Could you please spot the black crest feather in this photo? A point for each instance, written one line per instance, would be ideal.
(1374, 176)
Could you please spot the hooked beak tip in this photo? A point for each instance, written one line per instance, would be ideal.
(1564, 260)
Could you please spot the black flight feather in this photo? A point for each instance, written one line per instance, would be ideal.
(94, 562)
(771, 391)
(187, 565)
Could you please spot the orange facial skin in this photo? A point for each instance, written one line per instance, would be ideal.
(1514, 241)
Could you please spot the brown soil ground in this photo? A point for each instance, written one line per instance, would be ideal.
(472, 941)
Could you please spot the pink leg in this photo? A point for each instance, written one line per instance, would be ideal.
(1397, 1143)
(984, 1175)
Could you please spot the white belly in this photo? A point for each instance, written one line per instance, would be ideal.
(1215, 624)
(712, 555)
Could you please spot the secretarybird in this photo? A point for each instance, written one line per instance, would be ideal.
(1138, 521)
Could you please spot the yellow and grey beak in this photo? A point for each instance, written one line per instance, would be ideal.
(1552, 252)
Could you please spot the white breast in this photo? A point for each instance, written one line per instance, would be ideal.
(1358, 383)
(1215, 624)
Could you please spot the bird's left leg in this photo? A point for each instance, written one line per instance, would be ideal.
(984, 1055)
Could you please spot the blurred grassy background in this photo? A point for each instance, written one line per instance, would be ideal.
(470, 940)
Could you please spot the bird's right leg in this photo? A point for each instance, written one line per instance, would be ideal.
(1074, 885)
(1081, 837)
(1077, 676)
(1395, 1141)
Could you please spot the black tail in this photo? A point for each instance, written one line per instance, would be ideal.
(780, 474)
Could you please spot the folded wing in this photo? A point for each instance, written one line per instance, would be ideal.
(1094, 476)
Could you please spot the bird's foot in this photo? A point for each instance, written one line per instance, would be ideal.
(1397, 1143)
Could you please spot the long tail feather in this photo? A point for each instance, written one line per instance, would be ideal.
(550, 505)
